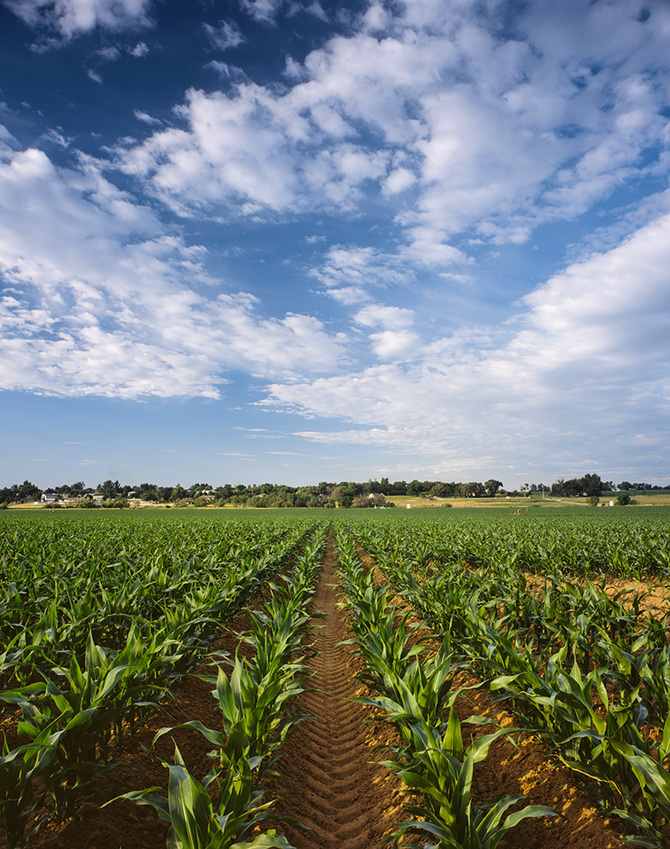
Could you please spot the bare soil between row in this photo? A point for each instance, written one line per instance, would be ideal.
(329, 778)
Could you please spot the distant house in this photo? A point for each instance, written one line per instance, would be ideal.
(49, 498)
(98, 498)
(132, 494)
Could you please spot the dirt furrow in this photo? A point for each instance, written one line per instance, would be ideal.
(331, 790)
(523, 768)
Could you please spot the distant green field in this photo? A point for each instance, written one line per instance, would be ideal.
(525, 512)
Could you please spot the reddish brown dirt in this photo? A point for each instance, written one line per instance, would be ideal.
(527, 768)
(125, 825)
(329, 780)
(656, 601)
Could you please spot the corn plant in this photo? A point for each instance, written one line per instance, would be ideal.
(415, 692)
(223, 810)
(438, 765)
(197, 822)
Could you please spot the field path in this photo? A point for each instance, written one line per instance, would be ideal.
(330, 780)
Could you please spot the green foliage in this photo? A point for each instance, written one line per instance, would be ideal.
(583, 665)
(416, 693)
(97, 627)
(223, 810)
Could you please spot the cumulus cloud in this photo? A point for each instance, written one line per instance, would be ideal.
(348, 273)
(139, 50)
(73, 17)
(582, 370)
(264, 11)
(224, 36)
(100, 300)
(494, 134)
(380, 315)
(236, 152)
(399, 180)
(393, 339)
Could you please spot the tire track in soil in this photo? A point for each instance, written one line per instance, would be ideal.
(329, 780)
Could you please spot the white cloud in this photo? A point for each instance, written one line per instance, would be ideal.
(145, 118)
(349, 295)
(348, 271)
(376, 18)
(108, 54)
(398, 181)
(224, 36)
(94, 75)
(264, 11)
(494, 134)
(99, 300)
(139, 51)
(227, 71)
(7, 140)
(236, 150)
(380, 315)
(56, 137)
(316, 10)
(72, 17)
(580, 374)
(394, 344)
(393, 339)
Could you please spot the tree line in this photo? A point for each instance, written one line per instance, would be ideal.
(325, 494)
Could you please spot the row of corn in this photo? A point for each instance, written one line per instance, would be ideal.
(226, 810)
(66, 581)
(73, 717)
(587, 670)
(417, 693)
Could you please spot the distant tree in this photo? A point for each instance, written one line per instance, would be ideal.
(342, 495)
(109, 489)
(177, 493)
(397, 488)
(492, 486)
(592, 485)
(27, 491)
(624, 499)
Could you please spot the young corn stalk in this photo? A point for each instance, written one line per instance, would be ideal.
(226, 810)
(415, 691)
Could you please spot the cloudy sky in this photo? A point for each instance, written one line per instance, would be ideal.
(247, 240)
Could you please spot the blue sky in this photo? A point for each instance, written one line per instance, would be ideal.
(295, 241)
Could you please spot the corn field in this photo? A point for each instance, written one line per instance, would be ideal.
(190, 649)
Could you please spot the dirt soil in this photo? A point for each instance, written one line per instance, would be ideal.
(656, 601)
(522, 765)
(329, 778)
(125, 825)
